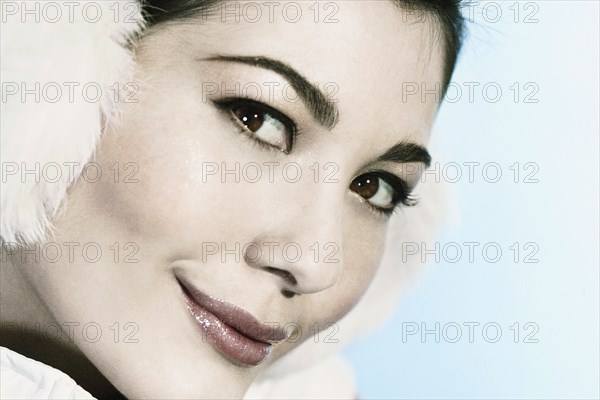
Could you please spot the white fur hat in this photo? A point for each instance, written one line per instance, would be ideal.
(60, 65)
(58, 137)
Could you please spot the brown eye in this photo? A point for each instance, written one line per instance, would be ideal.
(365, 185)
(253, 119)
(262, 123)
(382, 190)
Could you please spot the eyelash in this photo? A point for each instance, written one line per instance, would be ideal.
(405, 199)
(409, 200)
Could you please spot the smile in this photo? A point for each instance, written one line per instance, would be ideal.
(231, 330)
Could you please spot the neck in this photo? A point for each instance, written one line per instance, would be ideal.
(27, 327)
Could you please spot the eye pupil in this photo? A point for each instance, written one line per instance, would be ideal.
(249, 117)
(366, 185)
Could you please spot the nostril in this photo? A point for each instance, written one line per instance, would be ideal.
(285, 275)
(288, 294)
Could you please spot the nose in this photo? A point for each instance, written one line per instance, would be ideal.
(300, 244)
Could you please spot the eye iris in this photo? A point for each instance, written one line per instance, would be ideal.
(250, 117)
(365, 185)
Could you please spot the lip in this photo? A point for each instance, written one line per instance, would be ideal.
(233, 331)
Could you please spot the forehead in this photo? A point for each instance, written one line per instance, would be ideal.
(375, 54)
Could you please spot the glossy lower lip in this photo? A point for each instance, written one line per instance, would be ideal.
(233, 331)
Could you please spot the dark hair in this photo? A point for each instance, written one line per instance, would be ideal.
(447, 13)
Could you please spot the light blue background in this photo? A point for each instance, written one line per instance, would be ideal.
(560, 134)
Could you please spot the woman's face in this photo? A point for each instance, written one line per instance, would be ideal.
(200, 189)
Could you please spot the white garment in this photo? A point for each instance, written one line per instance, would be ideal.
(24, 378)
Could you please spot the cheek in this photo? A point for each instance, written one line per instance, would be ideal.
(155, 182)
(361, 257)
(362, 253)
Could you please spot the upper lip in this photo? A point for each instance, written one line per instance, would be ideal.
(234, 316)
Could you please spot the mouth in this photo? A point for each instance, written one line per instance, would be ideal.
(231, 330)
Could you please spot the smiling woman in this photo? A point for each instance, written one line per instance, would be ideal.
(237, 204)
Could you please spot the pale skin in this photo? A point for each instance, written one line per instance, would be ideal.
(171, 134)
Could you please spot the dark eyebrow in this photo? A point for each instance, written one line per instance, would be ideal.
(406, 152)
(323, 110)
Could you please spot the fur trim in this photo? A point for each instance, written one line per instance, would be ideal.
(48, 131)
